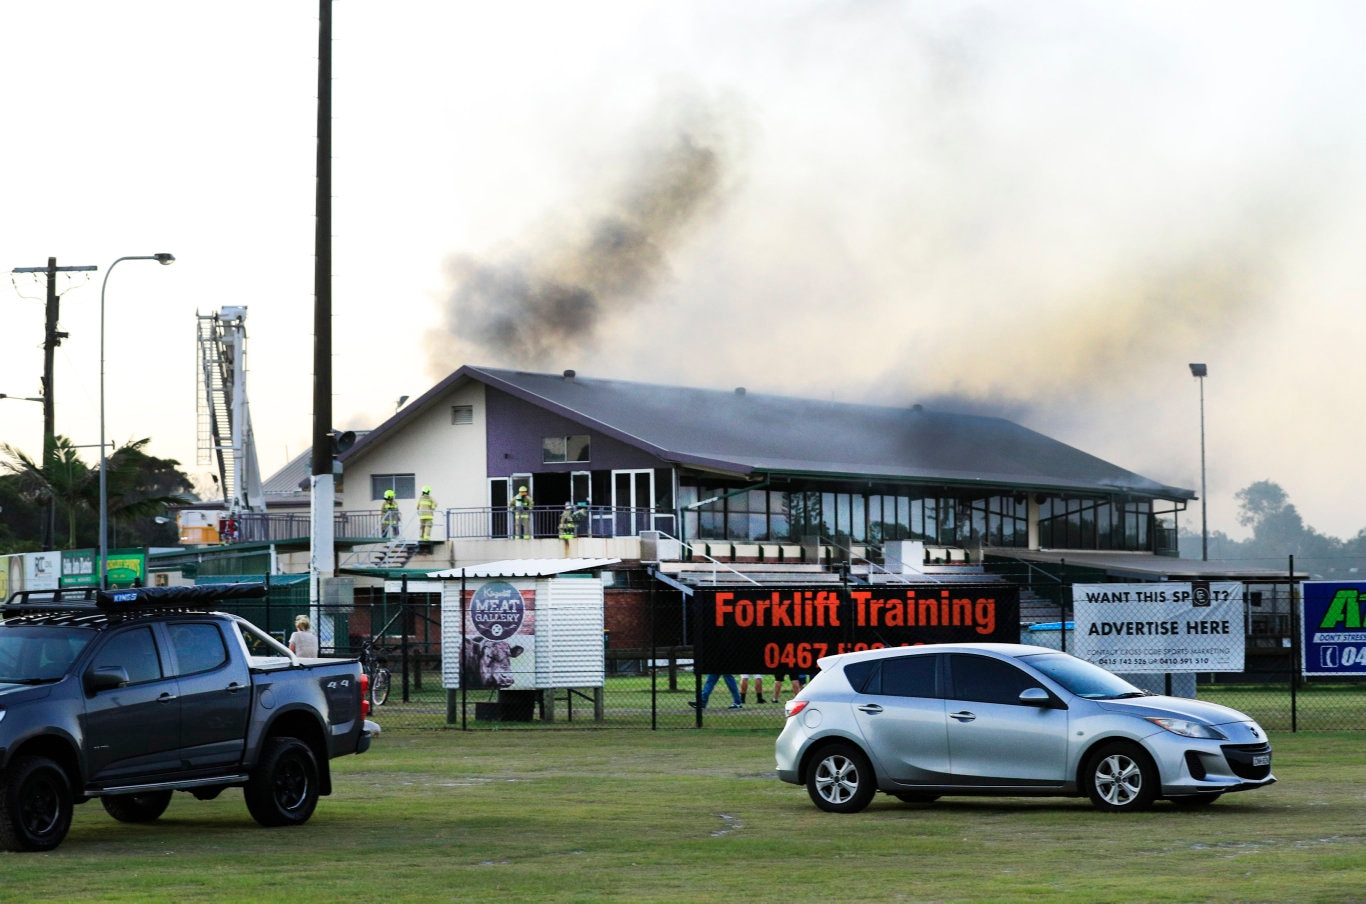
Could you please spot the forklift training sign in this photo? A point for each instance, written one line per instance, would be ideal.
(1166, 627)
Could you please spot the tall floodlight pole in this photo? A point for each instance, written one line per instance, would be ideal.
(165, 260)
(322, 560)
(1200, 371)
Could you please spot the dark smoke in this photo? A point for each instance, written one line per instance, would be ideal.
(555, 299)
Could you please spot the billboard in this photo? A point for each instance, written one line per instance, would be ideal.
(1333, 640)
(1161, 627)
(787, 629)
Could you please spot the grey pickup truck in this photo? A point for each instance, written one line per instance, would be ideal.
(129, 695)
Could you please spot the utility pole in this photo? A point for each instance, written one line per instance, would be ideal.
(323, 553)
(52, 338)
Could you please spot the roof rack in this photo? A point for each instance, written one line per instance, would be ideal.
(82, 598)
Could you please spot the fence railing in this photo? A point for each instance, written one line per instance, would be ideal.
(459, 524)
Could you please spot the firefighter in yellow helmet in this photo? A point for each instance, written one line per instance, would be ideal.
(388, 516)
(426, 511)
(521, 514)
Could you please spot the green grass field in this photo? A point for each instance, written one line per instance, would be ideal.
(698, 816)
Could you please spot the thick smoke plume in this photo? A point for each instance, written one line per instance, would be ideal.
(552, 300)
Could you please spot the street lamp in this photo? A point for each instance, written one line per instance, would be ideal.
(1199, 371)
(165, 260)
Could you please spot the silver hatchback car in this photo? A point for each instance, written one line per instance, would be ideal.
(996, 719)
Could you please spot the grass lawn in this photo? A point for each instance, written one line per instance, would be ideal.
(698, 816)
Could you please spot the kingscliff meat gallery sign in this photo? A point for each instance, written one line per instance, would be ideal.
(782, 629)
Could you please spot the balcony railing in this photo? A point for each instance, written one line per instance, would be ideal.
(457, 524)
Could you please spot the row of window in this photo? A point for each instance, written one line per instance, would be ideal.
(1001, 520)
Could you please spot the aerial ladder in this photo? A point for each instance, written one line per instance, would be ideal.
(224, 420)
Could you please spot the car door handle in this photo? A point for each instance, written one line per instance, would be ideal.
(234, 687)
(871, 709)
(166, 697)
(964, 716)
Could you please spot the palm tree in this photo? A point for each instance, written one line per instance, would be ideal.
(137, 485)
(141, 486)
(63, 477)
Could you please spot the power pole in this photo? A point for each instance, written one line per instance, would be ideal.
(52, 338)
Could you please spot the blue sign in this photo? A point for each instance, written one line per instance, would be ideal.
(1334, 634)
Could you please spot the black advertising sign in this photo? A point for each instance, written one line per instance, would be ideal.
(783, 629)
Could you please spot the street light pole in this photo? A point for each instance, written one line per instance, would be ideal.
(1200, 371)
(165, 260)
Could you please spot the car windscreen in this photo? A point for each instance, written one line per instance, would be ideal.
(32, 654)
(1081, 677)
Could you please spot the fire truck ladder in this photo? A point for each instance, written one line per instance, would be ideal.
(223, 420)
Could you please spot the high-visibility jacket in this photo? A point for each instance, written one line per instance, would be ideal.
(426, 506)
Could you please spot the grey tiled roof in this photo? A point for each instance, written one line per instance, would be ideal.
(752, 434)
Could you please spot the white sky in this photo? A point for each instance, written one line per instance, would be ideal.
(1039, 209)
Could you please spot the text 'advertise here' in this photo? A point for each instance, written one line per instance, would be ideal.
(1166, 627)
(790, 628)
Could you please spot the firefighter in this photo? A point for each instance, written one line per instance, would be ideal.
(388, 515)
(521, 514)
(426, 511)
(568, 524)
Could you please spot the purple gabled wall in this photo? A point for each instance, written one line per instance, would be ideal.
(515, 430)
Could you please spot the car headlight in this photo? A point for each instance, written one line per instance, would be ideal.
(1188, 729)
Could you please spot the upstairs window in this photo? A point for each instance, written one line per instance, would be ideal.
(403, 485)
(564, 449)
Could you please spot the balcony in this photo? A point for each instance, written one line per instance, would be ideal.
(361, 527)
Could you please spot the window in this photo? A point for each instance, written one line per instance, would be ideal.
(985, 680)
(462, 415)
(198, 648)
(403, 485)
(135, 652)
(564, 448)
(909, 676)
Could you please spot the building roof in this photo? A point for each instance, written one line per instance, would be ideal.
(755, 435)
(290, 483)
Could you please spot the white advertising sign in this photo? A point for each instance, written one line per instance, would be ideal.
(1166, 627)
(42, 571)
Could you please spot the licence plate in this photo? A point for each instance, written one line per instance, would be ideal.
(1262, 759)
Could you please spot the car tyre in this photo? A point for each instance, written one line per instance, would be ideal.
(137, 807)
(283, 788)
(1121, 778)
(35, 805)
(841, 779)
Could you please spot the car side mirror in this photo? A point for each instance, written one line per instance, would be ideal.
(105, 678)
(1036, 696)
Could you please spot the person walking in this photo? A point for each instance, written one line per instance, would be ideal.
(426, 511)
(710, 683)
(521, 514)
(303, 642)
(388, 516)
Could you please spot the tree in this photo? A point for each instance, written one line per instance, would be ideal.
(63, 477)
(1259, 501)
(138, 487)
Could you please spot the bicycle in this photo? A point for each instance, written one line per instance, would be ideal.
(373, 665)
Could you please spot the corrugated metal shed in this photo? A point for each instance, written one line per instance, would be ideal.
(522, 568)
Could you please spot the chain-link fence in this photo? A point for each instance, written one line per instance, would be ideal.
(675, 653)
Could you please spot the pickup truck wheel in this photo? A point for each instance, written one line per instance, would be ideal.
(137, 807)
(283, 788)
(35, 805)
